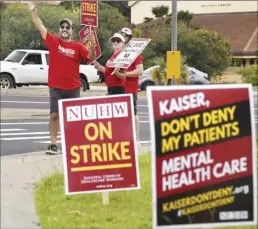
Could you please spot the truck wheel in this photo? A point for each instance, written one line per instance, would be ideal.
(84, 85)
(146, 84)
(6, 81)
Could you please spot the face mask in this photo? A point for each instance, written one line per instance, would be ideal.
(118, 46)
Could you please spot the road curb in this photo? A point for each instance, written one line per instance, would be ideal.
(45, 93)
(27, 154)
(145, 149)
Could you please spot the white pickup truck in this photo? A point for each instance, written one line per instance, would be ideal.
(24, 67)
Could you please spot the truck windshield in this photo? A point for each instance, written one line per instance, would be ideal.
(15, 56)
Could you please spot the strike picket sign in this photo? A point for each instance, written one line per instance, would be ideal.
(99, 155)
(89, 13)
(204, 169)
(128, 55)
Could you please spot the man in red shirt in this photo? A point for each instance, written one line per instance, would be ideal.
(65, 55)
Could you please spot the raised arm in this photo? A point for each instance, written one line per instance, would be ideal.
(36, 20)
(92, 51)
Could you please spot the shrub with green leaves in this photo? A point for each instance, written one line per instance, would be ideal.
(250, 75)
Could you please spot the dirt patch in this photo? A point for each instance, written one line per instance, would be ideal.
(228, 79)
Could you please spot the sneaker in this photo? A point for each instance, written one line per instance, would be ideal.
(52, 149)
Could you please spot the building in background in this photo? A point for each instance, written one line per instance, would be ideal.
(236, 20)
(142, 9)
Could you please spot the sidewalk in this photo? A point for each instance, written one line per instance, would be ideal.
(19, 175)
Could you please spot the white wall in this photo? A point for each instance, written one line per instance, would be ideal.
(142, 9)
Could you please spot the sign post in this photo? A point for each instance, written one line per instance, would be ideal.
(204, 169)
(173, 65)
(97, 155)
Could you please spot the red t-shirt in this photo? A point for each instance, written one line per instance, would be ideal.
(64, 62)
(112, 80)
(131, 83)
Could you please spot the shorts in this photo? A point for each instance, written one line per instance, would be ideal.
(135, 98)
(57, 94)
(116, 90)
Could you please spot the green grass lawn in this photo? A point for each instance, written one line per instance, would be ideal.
(127, 210)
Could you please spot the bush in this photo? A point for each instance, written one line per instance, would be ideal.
(250, 75)
(159, 74)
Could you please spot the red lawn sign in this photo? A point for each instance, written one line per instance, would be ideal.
(83, 33)
(89, 13)
(99, 144)
(204, 170)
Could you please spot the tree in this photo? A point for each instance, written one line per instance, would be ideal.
(67, 4)
(206, 50)
(160, 11)
(122, 7)
(185, 17)
(110, 21)
(2, 5)
(147, 19)
(17, 29)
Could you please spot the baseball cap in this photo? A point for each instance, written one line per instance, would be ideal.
(118, 35)
(67, 21)
(127, 31)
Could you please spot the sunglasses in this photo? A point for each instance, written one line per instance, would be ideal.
(67, 27)
(116, 40)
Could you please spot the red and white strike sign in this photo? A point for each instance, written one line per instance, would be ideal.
(89, 13)
(132, 50)
(83, 33)
(98, 155)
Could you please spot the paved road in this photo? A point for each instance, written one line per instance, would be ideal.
(25, 102)
(22, 136)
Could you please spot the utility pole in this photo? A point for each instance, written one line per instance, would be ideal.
(173, 56)
(174, 26)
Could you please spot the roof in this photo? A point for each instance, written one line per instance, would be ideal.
(240, 28)
(32, 50)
